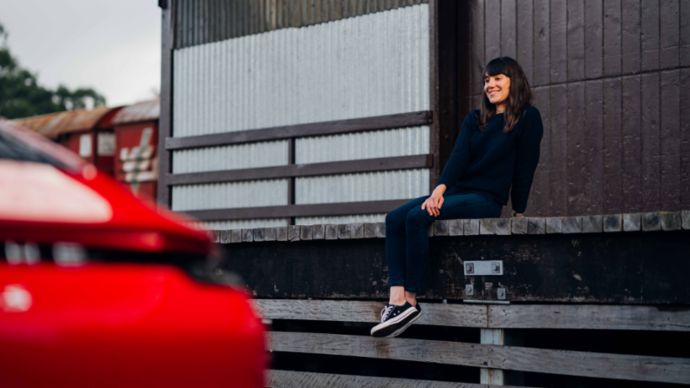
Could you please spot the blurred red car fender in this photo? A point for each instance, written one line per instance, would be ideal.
(98, 288)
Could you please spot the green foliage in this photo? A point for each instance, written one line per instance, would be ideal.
(22, 96)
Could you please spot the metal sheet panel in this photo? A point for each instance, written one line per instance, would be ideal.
(362, 187)
(357, 218)
(230, 195)
(204, 21)
(371, 65)
(352, 146)
(141, 111)
(230, 157)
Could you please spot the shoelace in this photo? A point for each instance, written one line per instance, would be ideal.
(387, 310)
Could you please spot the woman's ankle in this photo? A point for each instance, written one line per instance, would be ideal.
(397, 295)
(411, 298)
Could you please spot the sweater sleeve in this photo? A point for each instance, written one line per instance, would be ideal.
(526, 159)
(460, 156)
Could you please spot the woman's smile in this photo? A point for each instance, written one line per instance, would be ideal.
(497, 89)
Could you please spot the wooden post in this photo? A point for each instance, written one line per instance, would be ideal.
(491, 337)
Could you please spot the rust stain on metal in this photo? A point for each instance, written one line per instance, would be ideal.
(53, 125)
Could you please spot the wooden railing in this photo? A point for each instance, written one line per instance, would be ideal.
(592, 300)
(491, 355)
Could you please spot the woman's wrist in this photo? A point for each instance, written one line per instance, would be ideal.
(440, 189)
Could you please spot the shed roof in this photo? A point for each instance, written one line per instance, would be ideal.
(54, 124)
(141, 111)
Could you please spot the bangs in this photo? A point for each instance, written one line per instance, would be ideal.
(497, 66)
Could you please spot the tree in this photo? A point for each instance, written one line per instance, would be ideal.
(22, 96)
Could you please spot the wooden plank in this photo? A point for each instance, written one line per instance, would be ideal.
(491, 337)
(302, 130)
(542, 32)
(284, 378)
(593, 147)
(669, 33)
(612, 37)
(650, 35)
(613, 198)
(525, 37)
(458, 315)
(522, 316)
(670, 145)
(165, 118)
(594, 35)
(589, 317)
(684, 55)
(558, 148)
(632, 144)
(651, 147)
(492, 34)
(578, 167)
(310, 210)
(539, 199)
(435, 88)
(575, 39)
(630, 36)
(563, 362)
(684, 119)
(476, 55)
(302, 170)
(508, 29)
(558, 41)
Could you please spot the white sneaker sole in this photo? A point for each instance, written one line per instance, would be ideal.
(390, 322)
(402, 329)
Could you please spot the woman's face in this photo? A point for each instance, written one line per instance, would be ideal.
(497, 89)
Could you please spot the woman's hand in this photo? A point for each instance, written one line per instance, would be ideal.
(433, 204)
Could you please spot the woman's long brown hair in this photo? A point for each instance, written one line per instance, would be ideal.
(519, 96)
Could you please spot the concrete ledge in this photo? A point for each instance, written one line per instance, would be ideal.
(610, 223)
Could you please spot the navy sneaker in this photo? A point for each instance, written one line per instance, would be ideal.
(395, 320)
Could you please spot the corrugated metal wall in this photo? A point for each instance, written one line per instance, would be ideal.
(230, 195)
(362, 187)
(369, 65)
(609, 77)
(274, 153)
(340, 219)
(204, 21)
(376, 144)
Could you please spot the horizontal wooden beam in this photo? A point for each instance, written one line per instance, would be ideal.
(308, 210)
(562, 362)
(302, 170)
(285, 378)
(301, 130)
(547, 316)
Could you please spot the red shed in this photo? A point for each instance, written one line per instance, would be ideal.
(87, 132)
(136, 137)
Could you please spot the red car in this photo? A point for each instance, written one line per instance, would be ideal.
(99, 289)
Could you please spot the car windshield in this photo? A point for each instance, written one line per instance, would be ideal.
(13, 148)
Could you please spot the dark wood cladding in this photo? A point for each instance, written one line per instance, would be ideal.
(165, 118)
(302, 130)
(609, 77)
(204, 21)
(624, 268)
(306, 210)
(302, 170)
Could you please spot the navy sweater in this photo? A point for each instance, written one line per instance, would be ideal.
(489, 161)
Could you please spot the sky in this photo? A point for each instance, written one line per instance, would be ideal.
(112, 46)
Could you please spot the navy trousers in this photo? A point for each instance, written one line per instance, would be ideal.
(407, 239)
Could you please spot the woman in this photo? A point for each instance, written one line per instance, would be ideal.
(495, 154)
